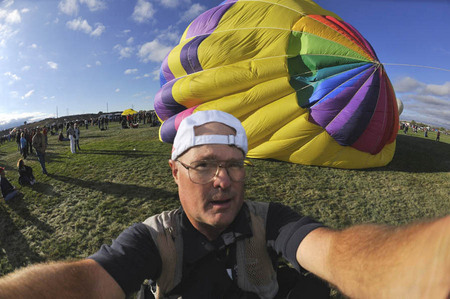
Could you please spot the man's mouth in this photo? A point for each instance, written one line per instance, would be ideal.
(221, 202)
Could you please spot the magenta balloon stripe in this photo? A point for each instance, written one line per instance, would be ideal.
(372, 140)
(351, 122)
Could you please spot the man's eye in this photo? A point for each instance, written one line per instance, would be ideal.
(203, 165)
(236, 164)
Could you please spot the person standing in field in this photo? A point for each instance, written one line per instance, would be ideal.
(438, 135)
(23, 145)
(71, 133)
(77, 136)
(39, 145)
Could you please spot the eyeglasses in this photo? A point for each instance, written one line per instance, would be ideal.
(205, 171)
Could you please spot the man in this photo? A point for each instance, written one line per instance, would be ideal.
(39, 145)
(71, 134)
(76, 136)
(219, 241)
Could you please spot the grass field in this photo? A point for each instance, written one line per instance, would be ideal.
(122, 176)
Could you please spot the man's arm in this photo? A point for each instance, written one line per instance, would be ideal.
(371, 261)
(81, 279)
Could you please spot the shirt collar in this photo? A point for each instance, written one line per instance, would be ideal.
(196, 245)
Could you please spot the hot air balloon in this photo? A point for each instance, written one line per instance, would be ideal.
(307, 87)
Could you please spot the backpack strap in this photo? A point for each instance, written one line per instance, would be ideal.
(166, 234)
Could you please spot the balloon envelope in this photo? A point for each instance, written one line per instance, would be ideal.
(306, 85)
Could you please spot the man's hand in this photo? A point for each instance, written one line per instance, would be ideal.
(82, 279)
(372, 261)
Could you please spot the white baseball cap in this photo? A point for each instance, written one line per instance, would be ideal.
(185, 138)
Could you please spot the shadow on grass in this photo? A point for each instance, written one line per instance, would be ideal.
(20, 207)
(45, 189)
(128, 153)
(12, 241)
(92, 137)
(415, 154)
(129, 191)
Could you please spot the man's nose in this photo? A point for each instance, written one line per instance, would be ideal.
(222, 179)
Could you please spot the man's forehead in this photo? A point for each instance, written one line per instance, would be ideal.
(214, 128)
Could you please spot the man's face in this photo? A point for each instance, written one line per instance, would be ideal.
(210, 207)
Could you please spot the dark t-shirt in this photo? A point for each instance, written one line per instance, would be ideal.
(208, 266)
(5, 186)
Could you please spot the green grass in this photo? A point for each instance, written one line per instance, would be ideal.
(122, 176)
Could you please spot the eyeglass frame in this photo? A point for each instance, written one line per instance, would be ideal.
(220, 164)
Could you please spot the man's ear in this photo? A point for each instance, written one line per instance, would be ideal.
(174, 169)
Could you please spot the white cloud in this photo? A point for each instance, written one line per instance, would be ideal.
(124, 52)
(80, 25)
(153, 51)
(94, 5)
(33, 46)
(130, 71)
(13, 17)
(407, 84)
(170, 3)
(15, 119)
(8, 3)
(155, 74)
(9, 18)
(98, 63)
(69, 7)
(24, 10)
(439, 90)
(117, 90)
(169, 35)
(143, 11)
(52, 65)
(99, 29)
(130, 41)
(25, 68)
(423, 102)
(12, 76)
(88, 66)
(28, 94)
(194, 11)
(411, 85)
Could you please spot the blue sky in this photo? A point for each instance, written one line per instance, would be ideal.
(83, 56)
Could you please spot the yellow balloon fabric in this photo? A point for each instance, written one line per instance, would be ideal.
(307, 86)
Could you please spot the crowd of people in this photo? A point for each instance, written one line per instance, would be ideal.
(405, 127)
(33, 141)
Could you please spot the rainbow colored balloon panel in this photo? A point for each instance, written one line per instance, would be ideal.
(306, 85)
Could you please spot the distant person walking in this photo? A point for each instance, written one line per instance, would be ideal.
(76, 136)
(18, 133)
(438, 135)
(23, 145)
(71, 133)
(8, 190)
(40, 147)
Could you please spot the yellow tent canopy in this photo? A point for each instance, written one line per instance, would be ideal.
(129, 112)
